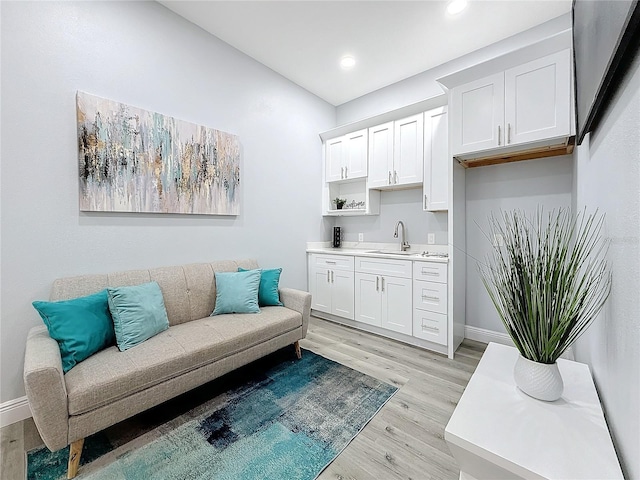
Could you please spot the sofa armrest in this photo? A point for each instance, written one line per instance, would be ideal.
(300, 302)
(45, 387)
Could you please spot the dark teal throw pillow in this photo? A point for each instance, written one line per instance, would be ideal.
(268, 292)
(81, 326)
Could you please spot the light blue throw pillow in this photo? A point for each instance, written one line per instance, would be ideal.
(138, 313)
(81, 326)
(268, 292)
(237, 292)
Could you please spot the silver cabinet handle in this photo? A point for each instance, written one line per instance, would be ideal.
(425, 202)
(331, 276)
(508, 133)
(330, 262)
(429, 297)
(377, 284)
(426, 328)
(341, 173)
(345, 173)
(433, 274)
(328, 273)
(499, 139)
(395, 177)
(383, 284)
(389, 177)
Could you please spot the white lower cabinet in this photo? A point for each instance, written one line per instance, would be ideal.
(381, 299)
(430, 303)
(403, 296)
(331, 284)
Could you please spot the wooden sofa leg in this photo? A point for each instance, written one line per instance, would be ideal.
(298, 351)
(75, 452)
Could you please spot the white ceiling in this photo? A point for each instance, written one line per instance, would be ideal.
(390, 40)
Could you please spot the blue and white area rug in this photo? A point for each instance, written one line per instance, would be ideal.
(277, 418)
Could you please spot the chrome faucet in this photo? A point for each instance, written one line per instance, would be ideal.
(404, 246)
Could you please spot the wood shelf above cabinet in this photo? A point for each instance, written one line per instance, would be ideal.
(497, 158)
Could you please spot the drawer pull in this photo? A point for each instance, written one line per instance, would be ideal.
(430, 297)
(330, 262)
(328, 273)
(433, 274)
(377, 283)
(427, 328)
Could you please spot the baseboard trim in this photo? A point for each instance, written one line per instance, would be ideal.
(14, 411)
(486, 336)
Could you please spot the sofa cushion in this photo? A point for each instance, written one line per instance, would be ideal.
(110, 374)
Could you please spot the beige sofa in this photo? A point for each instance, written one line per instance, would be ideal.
(111, 386)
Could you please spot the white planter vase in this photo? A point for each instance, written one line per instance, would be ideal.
(538, 380)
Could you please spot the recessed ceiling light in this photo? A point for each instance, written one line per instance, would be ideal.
(456, 6)
(347, 62)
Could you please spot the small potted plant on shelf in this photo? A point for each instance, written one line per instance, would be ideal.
(339, 202)
(548, 281)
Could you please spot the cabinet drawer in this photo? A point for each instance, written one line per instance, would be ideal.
(334, 262)
(384, 266)
(430, 326)
(430, 271)
(430, 296)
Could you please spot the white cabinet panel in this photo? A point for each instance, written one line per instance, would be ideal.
(380, 155)
(368, 299)
(430, 326)
(430, 296)
(396, 304)
(477, 115)
(331, 284)
(430, 271)
(383, 266)
(333, 159)
(436, 182)
(320, 286)
(355, 155)
(408, 159)
(537, 99)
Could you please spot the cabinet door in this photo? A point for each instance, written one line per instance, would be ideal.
(333, 159)
(408, 146)
(355, 154)
(380, 155)
(368, 298)
(320, 287)
(477, 115)
(436, 160)
(538, 99)
(342, 293)
(396, 304)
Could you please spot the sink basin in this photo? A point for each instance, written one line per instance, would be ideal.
(393, 252)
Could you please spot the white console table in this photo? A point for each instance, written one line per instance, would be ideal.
(498, 432)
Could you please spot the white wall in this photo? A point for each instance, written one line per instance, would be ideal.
(142, 54)
(608, 178)
(526, 185)
(405, 205)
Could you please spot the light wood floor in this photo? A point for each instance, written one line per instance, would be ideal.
(405, 440)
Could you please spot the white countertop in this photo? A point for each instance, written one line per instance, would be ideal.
(362, 249)
(565, 439)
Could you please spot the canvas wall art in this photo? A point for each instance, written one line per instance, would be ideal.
(133, 160)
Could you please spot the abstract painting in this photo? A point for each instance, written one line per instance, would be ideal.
(134, 160)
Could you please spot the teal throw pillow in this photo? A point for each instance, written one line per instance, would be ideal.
(268, 292)
(138, 313)
(81, 326)
(237, 292)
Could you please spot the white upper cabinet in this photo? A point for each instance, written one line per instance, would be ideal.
(436, 160)
(408, 144)
(346, 157)
(380, 154)
(478, 115)
(522, 105)
(396, 153)
(538, 99)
